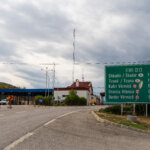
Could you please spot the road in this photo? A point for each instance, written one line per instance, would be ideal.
(18, 121)
(76, 130)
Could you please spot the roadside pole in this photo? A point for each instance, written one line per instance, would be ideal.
(146, 110)
(121, 109)
(134, 109)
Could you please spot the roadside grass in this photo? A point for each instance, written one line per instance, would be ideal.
(142, 122)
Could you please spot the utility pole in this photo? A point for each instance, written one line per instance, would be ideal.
(53, 79)
(47, 76)
(46, 82)
(53, 76)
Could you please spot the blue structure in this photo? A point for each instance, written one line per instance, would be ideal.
(24, 92)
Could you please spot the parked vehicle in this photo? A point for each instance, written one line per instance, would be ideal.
(4, 102)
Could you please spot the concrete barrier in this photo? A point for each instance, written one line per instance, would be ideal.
(132, 118)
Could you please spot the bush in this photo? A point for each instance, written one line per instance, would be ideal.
(140, 109)
(74, 99)
(46, 100)
(115, 109)
(37, 98)
(82, 101)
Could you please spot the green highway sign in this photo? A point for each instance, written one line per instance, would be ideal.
(127, 84)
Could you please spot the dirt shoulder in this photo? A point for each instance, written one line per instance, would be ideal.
(142, 123)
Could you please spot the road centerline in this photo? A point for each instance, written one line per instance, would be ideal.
(12, 145)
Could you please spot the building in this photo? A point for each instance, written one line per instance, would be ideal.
(102, 97)
(84, 89)
(23, 96)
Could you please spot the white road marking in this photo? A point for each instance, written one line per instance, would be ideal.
(1, 115)
(49, 122)
(20, 112)
(58, 118)
(12, 145)
(65, 114)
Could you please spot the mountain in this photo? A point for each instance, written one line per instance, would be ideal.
(7, 86)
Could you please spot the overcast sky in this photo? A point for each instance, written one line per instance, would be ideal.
(41, 31)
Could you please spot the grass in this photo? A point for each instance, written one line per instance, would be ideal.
(142, 122)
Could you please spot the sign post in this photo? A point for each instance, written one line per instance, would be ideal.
(10, 98)
(121, 109)
(146, 110)
(134, 109)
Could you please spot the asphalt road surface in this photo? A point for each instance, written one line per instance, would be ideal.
(20, 120)
(72, 128)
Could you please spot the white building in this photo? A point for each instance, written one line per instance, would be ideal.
(84, 89)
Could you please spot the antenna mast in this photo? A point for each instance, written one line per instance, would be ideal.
(82, 75)
(74, 47)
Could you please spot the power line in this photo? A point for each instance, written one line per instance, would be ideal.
(80, 63)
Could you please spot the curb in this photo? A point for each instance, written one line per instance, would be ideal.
(116, 124)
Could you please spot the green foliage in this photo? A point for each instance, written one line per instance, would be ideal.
(140, 109)
(83, 101)
(115, 109)
(7, 86)
(46, 100)
(74, 99)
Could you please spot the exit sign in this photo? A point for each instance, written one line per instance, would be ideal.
(127, 84)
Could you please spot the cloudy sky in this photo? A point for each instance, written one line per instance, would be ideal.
(41, 31)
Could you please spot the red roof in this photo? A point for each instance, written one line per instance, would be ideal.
(102, 94)
(81, 84)
(70, 88)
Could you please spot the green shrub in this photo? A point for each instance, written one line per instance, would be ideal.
(46, 100)
(140, 109)
(128, 109)
(74, 99)
(37, 98)
(115, 109)
(82, 101)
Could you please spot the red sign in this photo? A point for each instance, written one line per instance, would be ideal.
(11, 97)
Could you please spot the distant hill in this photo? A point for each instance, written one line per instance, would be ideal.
(7, 86)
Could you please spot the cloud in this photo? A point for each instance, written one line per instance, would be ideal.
(40, 31)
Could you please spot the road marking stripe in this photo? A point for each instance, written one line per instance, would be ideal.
(49, 122)
(58, 118)
(65, 114)
(19, 112)
(1, 115)
(12, 145)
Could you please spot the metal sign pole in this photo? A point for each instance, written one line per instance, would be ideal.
(121, 109)
(133, 109)
(146, 110)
